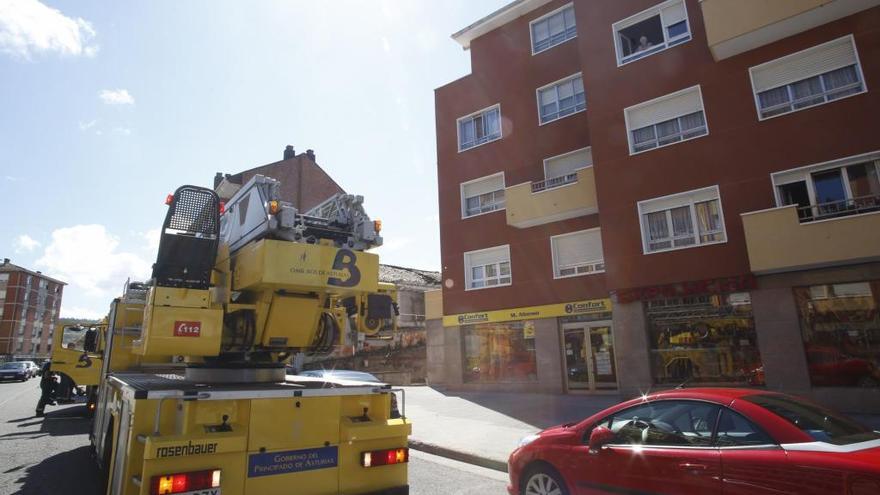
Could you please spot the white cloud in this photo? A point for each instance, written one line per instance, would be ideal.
(87, 257)
(122, 131)
(386, 45)
(79, 312)
(152, 237)
(116, 97)
(29, 27)
(11, 178)
(25, 244)
(84, 126)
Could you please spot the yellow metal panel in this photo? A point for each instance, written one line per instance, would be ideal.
(297, 423)
(158, 335)
(292, 321)
(297, 266)
(187, 298)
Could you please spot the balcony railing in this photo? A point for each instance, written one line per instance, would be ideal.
(554, 182)
(842, 208)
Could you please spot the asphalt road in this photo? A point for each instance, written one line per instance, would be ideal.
(50, 455)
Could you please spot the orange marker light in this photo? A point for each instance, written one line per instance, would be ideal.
(222, 207)
(169, 199)
(273, 207)
(377, 225)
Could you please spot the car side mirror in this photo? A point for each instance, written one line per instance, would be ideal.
(600, 437)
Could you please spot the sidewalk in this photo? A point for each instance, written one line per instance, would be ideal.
(484, 428)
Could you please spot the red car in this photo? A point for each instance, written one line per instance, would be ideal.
(702, 441)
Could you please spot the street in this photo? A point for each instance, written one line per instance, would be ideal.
(51, 455)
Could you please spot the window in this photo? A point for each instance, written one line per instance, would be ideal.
(561, 170)
(651, 31)
(487, 267)
(664, 422)
(706, 338)
(561, 99)
(841, 331)
(577, 253)
(811, 77)
(499, 352)
(553, 29)
(666, 120)
(479, 128)
(682, 220)
(831, 190)
(3, 294)
(735, 431)
(482, 195)
(820, 423)
(4, 277)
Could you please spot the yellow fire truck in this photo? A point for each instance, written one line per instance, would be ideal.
(204, 406)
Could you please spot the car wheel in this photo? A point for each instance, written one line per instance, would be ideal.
(543, 481)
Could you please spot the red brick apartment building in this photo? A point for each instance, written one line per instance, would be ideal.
(30, 303)
(636, 194)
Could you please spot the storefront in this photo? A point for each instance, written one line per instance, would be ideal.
(552, 348)
(840, 325)
(699, 333)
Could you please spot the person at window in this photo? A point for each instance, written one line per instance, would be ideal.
(644, 44)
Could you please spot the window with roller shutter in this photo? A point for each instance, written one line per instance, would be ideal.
(577, 253)
(811, 77)
(487, 268)
(666, 120)
(482, 195)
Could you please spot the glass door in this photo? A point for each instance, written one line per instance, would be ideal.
(589, 357)
(603, 370)
(577, 368)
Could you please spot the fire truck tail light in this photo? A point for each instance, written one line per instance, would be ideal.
(384, 457)
(169, 484)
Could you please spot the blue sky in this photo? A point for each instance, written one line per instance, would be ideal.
(105, 107)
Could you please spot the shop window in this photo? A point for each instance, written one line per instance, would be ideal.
(704, 339)
(651, 31)
(841, 331)
(499, 352)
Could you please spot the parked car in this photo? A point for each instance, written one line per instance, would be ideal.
(360, 376)
(735, 441)
(17, 370)
(33, 368)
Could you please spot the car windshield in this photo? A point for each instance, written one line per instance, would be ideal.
(13, 366)
(821, 424)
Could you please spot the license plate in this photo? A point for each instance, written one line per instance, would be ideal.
(206, 491)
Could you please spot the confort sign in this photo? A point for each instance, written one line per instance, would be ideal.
(530, 313)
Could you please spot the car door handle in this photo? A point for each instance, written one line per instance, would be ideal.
(693, 466)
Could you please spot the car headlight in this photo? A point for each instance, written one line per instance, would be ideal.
(528, 439)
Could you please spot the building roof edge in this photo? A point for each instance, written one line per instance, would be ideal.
(496, 19)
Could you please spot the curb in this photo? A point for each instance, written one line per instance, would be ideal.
(458, 455)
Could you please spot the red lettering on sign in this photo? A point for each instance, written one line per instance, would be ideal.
(187, 328)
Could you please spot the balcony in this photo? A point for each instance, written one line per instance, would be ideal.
(536, 203)
(736, 27)
(792, 238)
